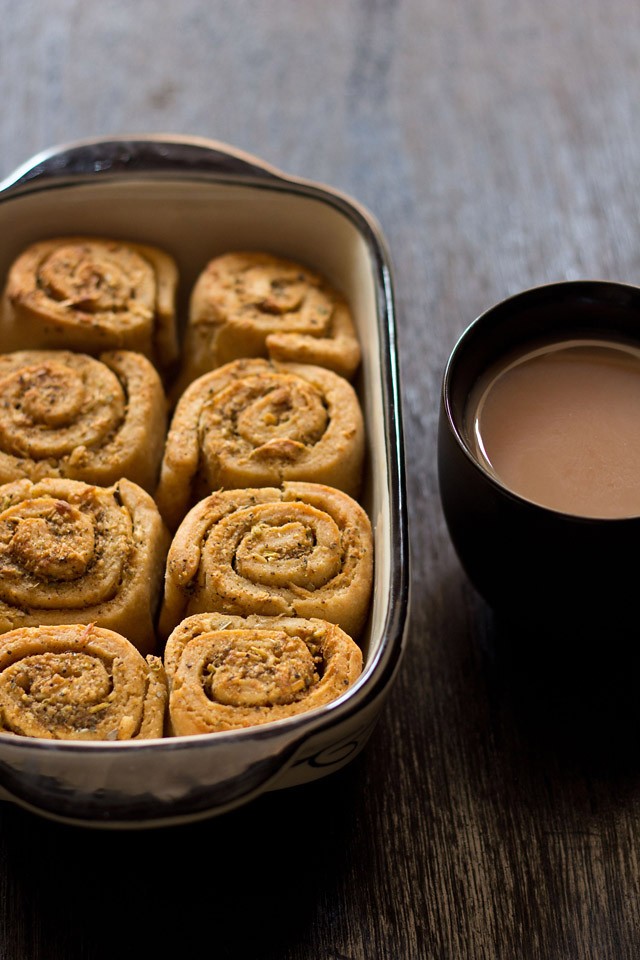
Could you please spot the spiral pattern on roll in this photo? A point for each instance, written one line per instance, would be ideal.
(257, 423)
(227, 673)
(254, 304)
(303, 550)
(91, 294)
(70, 415)
(72, 552)
(79, 682)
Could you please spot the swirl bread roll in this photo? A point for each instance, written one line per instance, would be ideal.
(226, 673)
(71, 552)
(66, 414)
(253, 304)
(91, 294)
(255, 423)
(79, 682)
(302, 550)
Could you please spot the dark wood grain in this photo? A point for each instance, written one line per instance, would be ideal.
(496, 811)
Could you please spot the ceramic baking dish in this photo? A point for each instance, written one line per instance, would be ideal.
(197, 198)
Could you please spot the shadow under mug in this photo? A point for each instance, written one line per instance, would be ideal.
(535, 564)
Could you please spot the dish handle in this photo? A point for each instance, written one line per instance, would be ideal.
(148, 154)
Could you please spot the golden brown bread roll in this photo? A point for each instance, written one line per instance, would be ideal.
(70, 415)
(71, 552)
(227, 672)
(255, 423)
(253, 304)
(79, 682)
(91, 294)
(304, 550)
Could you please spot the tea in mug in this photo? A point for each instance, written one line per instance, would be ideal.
(560, 426)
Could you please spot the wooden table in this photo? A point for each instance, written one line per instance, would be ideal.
(495, 813)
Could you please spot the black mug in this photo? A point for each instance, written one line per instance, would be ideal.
(528, 561)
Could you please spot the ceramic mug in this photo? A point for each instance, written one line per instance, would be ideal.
(527, 559)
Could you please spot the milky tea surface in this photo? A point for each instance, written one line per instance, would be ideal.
(561, 426)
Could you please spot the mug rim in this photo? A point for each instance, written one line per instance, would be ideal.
(535, 296)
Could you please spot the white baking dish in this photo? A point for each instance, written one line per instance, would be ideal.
(197, 198)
